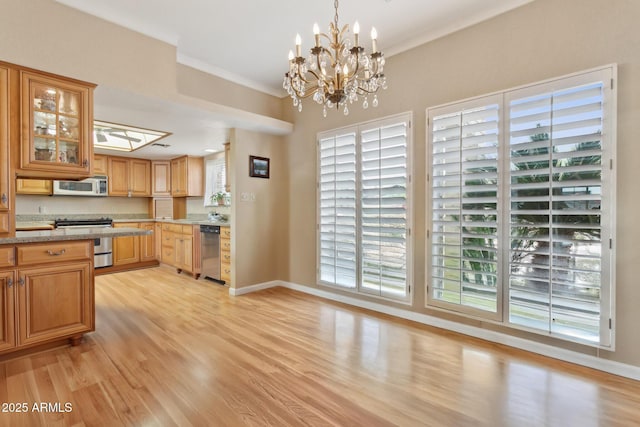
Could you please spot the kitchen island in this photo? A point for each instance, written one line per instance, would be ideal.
(47, 287)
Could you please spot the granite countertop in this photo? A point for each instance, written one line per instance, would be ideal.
(177, 221)
(71, 234)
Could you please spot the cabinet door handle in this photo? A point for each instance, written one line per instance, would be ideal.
(21, 281)
(9, 282)
(52, 253)
(85, 163)
(4, 198)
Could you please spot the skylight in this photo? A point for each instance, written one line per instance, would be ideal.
(113, 136)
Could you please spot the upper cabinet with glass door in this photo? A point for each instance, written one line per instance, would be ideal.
(57, 126)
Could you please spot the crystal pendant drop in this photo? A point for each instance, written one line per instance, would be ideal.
(375, 101)
(300, 107)
(346, 110)
(324, 111)
(365, 104)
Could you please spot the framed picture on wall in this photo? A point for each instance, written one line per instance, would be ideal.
(258, 167)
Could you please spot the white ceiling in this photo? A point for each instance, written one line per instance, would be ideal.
(247, 41)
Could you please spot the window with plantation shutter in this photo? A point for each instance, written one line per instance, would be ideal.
(337, 209)
(363, 215)
(557, 260)
(464, 204)
(522, 191)
(383, 202)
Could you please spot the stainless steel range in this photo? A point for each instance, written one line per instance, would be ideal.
(102, 247)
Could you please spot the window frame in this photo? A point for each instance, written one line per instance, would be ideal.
(607, 226)
(358, 128)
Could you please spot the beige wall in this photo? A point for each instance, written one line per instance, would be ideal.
(543, 39)
(260, 219)
(49, 36)
(197, 84)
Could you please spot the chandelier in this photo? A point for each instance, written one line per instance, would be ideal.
(337, 75)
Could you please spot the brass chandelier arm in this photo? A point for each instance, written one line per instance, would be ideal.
(312, 90)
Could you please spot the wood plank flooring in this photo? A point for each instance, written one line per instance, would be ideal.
(172, 351)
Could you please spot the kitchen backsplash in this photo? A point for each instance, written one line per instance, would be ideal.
(66, 206)
(48, 208)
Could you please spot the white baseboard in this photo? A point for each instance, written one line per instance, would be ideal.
(253, 288)
(610, 366)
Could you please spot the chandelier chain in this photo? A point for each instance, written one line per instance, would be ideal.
(335, 18)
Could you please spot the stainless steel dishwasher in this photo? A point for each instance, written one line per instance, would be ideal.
(210, 251)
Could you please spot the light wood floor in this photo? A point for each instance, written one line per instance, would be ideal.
(169, 350)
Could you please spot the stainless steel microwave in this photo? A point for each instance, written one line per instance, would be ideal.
(95, 186)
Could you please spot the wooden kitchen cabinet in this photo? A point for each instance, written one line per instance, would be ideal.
(187, 176)
(7, 310)
(147, 243)
(42, 187)
(70, 287)
(180, 247)
(130, 252)
(57, 126)
(46, 293)
(5, 195)
(161, 178)
(129, 177)
(225, 254)
(126, 250)
(100, 164)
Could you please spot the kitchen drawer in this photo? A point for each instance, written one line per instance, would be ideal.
(225, 232)
(225, 256)
(188, 229)
(175, 228)
(7, 256)
(55, 252)
(225, 244)
(225, 272)
(4, 223)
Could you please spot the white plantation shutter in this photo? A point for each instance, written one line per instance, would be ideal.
(522, 196)
(337, 209)
(557, 261)
(363, 216)
(384, 208)
(464, 205)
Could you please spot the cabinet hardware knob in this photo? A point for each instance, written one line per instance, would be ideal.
(9, 282)
(21, 281)
(4, 198)
(85, 163)
(53, 253)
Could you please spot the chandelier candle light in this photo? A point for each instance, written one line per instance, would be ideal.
(336, 75)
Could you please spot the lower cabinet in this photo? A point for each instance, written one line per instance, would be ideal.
(68, 287)
(134, 249)
(147, 243)
(7, 310)
(225, 254)
(180, 247)
(47, 294)
(126, 250)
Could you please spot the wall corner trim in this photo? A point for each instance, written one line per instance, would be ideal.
(609, 366)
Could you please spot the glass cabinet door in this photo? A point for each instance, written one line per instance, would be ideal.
(56, 124)
(59, 137)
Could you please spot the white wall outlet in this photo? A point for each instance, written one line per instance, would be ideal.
(42, 209)
(252, 196)
(244, 197)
